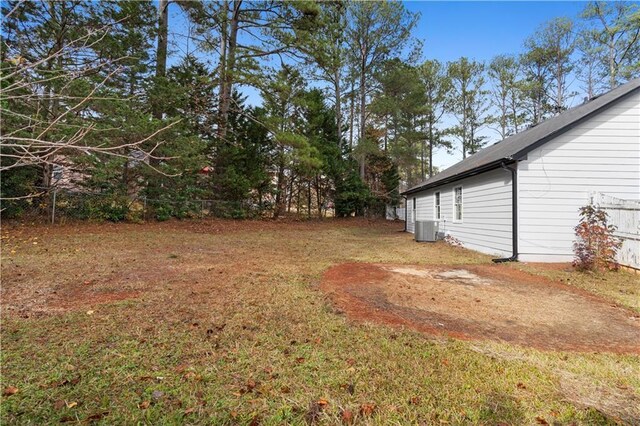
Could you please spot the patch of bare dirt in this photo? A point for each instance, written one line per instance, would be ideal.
(483, 302)
(47, 300)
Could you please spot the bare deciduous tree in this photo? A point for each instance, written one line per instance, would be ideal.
(51, 108)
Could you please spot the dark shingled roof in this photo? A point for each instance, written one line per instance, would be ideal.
(515, 147)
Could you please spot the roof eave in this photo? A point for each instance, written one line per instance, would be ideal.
(476, 171)
(520, 155)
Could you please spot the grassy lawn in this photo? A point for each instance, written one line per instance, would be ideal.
(223, 323)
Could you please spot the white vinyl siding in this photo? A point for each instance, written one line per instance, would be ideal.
(486, 224)
(601, 154)
(411, 214)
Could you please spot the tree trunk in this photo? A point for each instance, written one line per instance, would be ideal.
(309, 198)
(338, 106)
(290, 194)
(279, 189)
(224, 26)
(612, 63)
(227, 84)
(431, 148)
(161, 48)
(318, 196)
(386, 132)
(53, 104)
(352, 115)
(363, 115)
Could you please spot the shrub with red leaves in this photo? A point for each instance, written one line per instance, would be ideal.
(595, 247)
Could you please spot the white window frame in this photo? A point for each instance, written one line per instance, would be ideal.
(437, 205)
(455, 205)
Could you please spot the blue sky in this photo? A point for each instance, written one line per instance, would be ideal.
(481, 30)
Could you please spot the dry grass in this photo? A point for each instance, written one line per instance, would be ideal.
(622, 287)
(222, 323)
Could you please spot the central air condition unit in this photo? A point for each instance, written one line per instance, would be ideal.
(426, 230)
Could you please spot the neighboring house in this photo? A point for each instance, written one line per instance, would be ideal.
(520, 197)
(65, 175)
(68, 175)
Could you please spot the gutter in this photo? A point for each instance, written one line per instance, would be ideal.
(476, 171)
(514, 215)
(406, 206)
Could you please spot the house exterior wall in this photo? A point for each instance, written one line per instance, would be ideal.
(486, 211)
(411, 222)
(601, 154)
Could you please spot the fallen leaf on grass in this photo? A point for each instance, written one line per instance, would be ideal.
(349, 387)
(415, 400)
(323, 402)
(180, 368)
(71, 404)
(144, 405)
(97, 416)
(189, 411)
(346, 416)
(541, 421)
(89, 312)
(367, 409)
(191, 375)
(300, 360)
(521, 385)
(65, 382)
(10, 390)
(313, 413)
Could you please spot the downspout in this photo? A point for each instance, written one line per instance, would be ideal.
(514, 215)
(406, 200)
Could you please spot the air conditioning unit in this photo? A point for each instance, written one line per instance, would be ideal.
(426, 230)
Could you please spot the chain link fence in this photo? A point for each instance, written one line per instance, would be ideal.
(60, 205)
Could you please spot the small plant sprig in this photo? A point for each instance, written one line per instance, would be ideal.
(595, 247)
(452, 241)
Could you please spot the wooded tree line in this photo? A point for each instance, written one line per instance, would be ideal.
(148, 99)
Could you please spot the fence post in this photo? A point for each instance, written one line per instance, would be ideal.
(53, 208)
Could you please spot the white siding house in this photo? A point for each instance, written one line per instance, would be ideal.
(558, 165)
(486, 206)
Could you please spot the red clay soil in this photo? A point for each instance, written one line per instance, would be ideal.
(477, 302)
